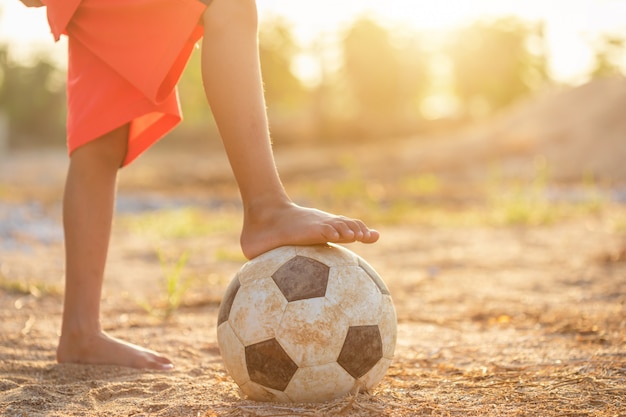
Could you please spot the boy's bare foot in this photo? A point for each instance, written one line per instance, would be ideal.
(102, 349)
(269, 226)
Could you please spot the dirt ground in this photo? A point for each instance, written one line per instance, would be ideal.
(507, 320)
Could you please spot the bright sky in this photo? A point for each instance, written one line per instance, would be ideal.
(571, 24)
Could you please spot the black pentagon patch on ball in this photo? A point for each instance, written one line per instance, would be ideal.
(269, 365)
(361, 350)
(301, 278)
(374, 276)
(227, 301)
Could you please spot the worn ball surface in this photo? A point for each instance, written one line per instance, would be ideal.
(306, 324)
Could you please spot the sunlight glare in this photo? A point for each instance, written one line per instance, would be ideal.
(571, 26)
(27, 32)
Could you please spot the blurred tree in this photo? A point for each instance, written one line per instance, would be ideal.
(609, 53)
(496, 63)
(277, 50)
(198, 124)
(286, 97)
(387, 78)
(32, 96)
(193, 98)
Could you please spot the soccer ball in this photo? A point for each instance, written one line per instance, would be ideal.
(306, 324)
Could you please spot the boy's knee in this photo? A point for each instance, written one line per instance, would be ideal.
(229, 14)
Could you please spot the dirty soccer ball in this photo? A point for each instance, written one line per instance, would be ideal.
(306, 324)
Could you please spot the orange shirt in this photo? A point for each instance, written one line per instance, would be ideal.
(59, 14)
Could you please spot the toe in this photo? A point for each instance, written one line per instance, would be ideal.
(165, 366)
(330, 233)
(372, 236)
(363, 232)
(346, 231)
(160, 363)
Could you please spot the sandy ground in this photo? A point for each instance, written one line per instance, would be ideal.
(499, 321)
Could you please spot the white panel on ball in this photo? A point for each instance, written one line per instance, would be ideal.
(352, 289)
(257, 310)
(305, 385)
(312, 331)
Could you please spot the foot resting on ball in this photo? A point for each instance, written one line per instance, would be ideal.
(268, 226)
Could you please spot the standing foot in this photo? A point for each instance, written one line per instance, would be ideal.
(102, 349)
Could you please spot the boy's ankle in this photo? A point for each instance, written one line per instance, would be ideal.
(265, 207)
(80, 329)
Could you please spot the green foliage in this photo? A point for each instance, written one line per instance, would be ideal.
(521, 203)
(609, 54)
(619, 223)
(174, 287)
(229, 255)
(33, 98)
(424, 184)
(36, 289)
(193, 99)
(387, 78)
(277, 50)
(180, 223)
(595, 198)
(496, 63)
(426, 199)
(528, 203)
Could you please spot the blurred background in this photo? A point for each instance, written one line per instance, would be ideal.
(481, 79)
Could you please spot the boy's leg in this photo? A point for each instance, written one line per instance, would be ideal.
(87, 216)
(232, 80)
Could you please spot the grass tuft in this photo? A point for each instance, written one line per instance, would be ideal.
(174, 286)
(21, 287)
